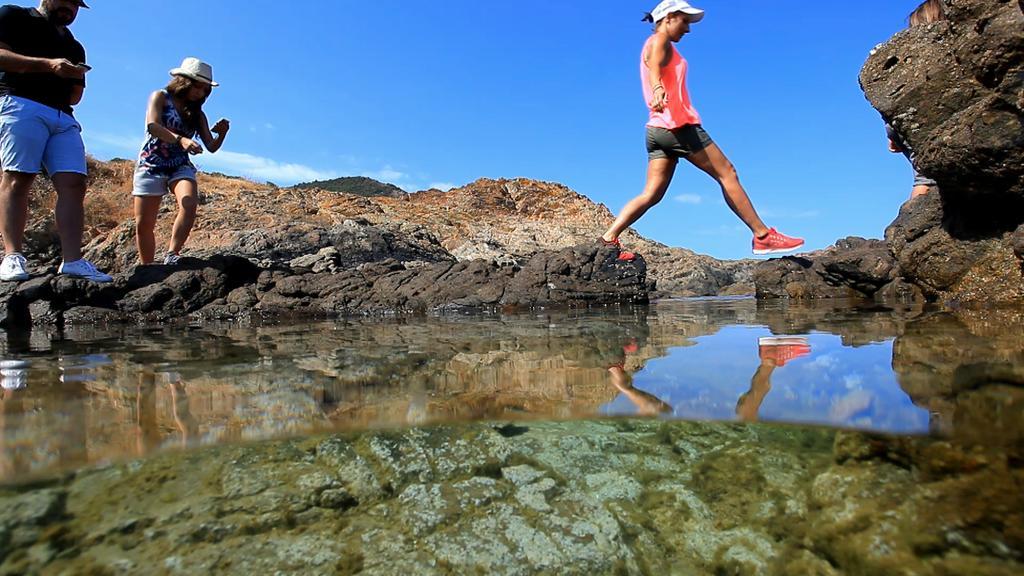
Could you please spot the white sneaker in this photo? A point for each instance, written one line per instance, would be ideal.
(12, 269)
(13, 379)
(171, 259)
(83, 269)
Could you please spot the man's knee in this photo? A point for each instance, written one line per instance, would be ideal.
(67, 183)
(17, 183)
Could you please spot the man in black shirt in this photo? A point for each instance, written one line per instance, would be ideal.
(42, 75)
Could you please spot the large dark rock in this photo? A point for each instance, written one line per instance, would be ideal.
(230, 286)
(954, 91)
(951, 253)
(582, 275)
(854, 267)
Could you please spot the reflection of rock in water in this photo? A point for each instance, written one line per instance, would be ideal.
(629, 497)
(553, 365)
(965, 367)
(968, 369)
(247, 382)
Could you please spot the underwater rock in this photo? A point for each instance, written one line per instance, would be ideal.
(613, 497)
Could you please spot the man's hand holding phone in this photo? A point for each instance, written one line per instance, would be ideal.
(65, 68)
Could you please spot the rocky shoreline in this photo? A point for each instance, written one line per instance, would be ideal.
(335, 280)
(312, 252)
(353, 246)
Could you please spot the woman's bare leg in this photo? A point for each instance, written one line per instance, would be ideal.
(659, 176)
(760, 384)
(188, 202)
(146, 209)
(712, 161)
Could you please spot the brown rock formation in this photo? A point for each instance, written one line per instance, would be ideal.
(954, 91)
(504, 221)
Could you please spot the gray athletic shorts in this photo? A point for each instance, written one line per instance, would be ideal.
(920, 180)
(678, 143)
(157, 182)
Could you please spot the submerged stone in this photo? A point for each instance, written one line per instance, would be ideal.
(567, 498)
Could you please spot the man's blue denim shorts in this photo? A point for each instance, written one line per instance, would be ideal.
(34, 136)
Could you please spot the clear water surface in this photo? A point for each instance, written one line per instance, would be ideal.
(90, 395)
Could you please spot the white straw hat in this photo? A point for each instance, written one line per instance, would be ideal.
(195, 69)
(669, 6)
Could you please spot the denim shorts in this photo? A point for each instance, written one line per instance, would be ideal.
(34, 136)
(149, 181)
(677, 143)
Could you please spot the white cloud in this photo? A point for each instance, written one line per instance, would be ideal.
(118, 142)
(386, 174)
(824, 362)
(260, 168)
(689, 199)
(852, 381)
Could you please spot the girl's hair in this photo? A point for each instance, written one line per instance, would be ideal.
(648, 17)
(178, 86)
(929, 11)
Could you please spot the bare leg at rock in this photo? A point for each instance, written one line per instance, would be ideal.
(188, 203)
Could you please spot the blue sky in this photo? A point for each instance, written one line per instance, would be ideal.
(440, 93)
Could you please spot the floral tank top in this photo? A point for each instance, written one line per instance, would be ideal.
(162, 155)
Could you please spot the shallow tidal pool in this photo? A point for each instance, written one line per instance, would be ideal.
(719, 436)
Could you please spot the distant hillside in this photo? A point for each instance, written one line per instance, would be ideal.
(358, 185)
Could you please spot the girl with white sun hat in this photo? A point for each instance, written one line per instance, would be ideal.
(174, 118)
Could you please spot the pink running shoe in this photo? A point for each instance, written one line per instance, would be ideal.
(782, 349)
(623, 255)
(776, 243)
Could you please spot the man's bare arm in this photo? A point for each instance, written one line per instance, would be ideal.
(11, 61)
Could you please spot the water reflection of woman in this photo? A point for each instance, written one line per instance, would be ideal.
(646, 403)
(774, 352)
(148, 437)
(186, 424)
(147, 430)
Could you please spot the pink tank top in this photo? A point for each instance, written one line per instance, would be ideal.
(678, 111)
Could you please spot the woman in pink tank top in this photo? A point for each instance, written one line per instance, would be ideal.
(674, 131)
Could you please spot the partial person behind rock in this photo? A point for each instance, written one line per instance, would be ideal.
(927, 12)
